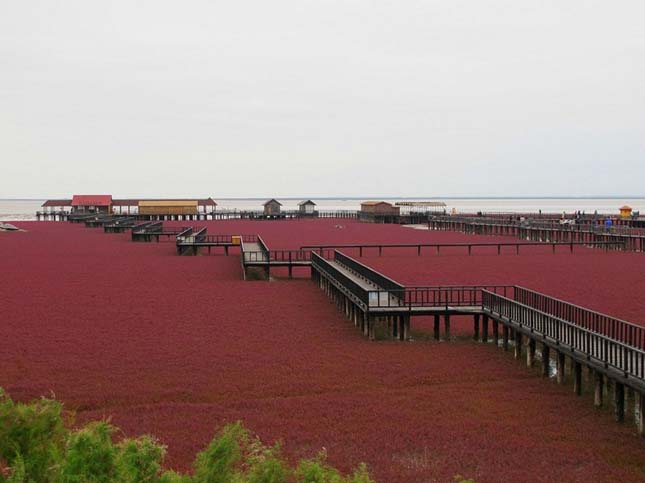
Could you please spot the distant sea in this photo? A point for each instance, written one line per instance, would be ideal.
(15, 209)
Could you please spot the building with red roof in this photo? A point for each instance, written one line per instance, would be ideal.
(92, 203)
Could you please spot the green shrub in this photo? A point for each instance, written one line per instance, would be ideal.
(315, 470)
(139, 460)
(31, 437)
(36, 446)
(216, 464)
(90, 455)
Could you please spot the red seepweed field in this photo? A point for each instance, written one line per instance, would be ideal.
(177, 346)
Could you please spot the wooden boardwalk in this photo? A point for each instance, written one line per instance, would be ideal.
(625, 237)
(612, 349)
(468, 246)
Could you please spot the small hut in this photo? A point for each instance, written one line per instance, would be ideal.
(272, 207)
(306, 207)
(625, 211)
(379, 208)
(207, 206)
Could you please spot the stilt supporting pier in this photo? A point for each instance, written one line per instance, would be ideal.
(546, 360)
(577, 378)
(518, 345)
(437, 325)
(530, 353)
(598, 389)
(446, 321)
(404, 327)
(561, 365)
(640, 417)
(476, 327)
(619, 402)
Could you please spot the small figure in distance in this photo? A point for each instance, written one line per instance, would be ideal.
(608, 224)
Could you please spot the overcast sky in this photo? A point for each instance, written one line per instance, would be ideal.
(322, 98)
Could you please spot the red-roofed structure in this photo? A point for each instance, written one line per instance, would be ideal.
(107, 204)
(92, 203)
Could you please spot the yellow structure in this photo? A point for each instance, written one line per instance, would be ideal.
(168, 207)
(625, 211)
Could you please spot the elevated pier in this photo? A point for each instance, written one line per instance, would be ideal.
(611, 349)
(509, 316)
(624, 237)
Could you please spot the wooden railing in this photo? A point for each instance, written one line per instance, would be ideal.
(439, 297)
(626, 332)
(601, 349)
(469, 246)
(339, 279)
(367, 273)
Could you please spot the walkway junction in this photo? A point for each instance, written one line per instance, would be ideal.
(563, 337)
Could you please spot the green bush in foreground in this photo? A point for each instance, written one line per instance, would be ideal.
(36, 445)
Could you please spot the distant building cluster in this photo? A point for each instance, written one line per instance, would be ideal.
(108, 205)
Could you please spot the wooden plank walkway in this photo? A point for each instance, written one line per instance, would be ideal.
(614, 350)
(626, 238)
(468, 246)
(254, 254)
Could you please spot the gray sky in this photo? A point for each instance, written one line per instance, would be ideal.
(322, 98)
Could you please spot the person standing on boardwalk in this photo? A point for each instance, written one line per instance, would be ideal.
(608, 224)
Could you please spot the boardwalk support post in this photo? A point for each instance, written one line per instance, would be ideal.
(619, 402)
(640, 417)
(560, 376)
(530, 353)
(546, 360)
(405, 327)
(517, 353)
(476, 327)
(485, 328)
(598, 388)
(437, 324)
(505, 337)
(577, 378)
(446, 322)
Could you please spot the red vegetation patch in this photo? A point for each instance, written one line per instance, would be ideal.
(175, 346)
